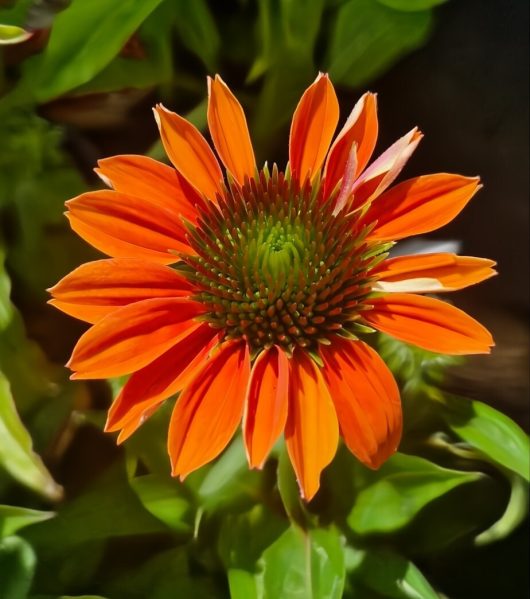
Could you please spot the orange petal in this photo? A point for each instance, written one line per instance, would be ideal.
(124, 226)
(361, 129)
(431, 273)
(131, 337)
(384, 170)
(147, 388)
(209, 410)
(266, 405)
(314, 122)
(228, 127)
(146, 178)
(189, 152)
(95, 289)
(428, 323)
(366, 398)
(312, 431)
(420, 205)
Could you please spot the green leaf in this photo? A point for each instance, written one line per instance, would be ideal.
(290, 491)
(368, 37)
(84, 39)
(6, 309)
(14, 518)
(495, 435)
(11, 34)
(304, 565)
(197, 30)
(411, 5)
(17, 566)
(16, 452)
(399, 490)
(164, 497)
(389, 575)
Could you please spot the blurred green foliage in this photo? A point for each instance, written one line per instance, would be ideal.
(123, 528)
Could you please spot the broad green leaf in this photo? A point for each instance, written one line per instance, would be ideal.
(515, 513)
(197, 30)
(229, 479)
(13, 518)
(304, 565)
(109, 509)
(16, 14)
(368, 37)
(165, 498)
(389, 575)
(84, 39)
(16, 450)
(11, 34)
(411, 5)
(495, 435)
(17, 567)
(242, 540)
(394, 494)
(290, 491)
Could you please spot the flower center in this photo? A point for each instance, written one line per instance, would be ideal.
(274, 265)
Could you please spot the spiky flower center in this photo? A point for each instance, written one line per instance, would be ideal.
(274, 265)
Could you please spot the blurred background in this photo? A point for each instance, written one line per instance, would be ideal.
(77, 82)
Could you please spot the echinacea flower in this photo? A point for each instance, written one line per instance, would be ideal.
(248, 292)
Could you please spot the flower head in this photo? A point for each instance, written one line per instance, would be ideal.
(249, 292)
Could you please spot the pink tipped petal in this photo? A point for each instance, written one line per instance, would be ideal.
(348, 180)
(432, 273)
(312, 430)
(420, 205)
(429, 323)
(266, 410)
(209, 410)
(189, 152)
(314, 122)
(360, 129)
(366, 398)
(381, 173)
(229, 130)
(131, 337)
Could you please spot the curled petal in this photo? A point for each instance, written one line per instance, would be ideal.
(189, 152)
(383, 171)
(95, 289)
(428, 323)
(312, 430)
(131, 337)
(420, 205)
(366, 398)
(266, 405)
(148, 179)
(314, 122)
(360, 129)
(432, 273)
(147, 388)
(229, 130)
(209, 409)
(124, 226)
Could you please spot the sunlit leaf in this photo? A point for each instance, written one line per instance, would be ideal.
(11, 34)
(14, 518)
(6, 309)
(17, 566)
(399, 490)
(411, 5)
(389, 575)
(494, 434)
(302, 564)
(164, 497)
(84, 39)
(16, 449)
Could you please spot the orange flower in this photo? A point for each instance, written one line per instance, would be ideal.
(248, 292)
